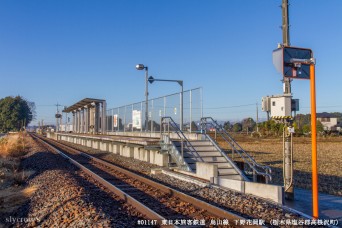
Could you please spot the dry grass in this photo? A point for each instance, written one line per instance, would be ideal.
(270, 152)
(13, 197)
(14, 145)
(12, 192)
(10, 175)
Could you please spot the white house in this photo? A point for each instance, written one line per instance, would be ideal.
(328, 120)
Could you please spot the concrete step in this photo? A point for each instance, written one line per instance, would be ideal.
(209, 153)
(205, 148)
(223, 168)
(227, 171)
(222, 165)
(209, 159)
(200, 143)
(197, 148)
(232, 177)
(203, 157)
(194, 143)
(203, 154)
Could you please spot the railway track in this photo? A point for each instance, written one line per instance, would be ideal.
(159, 203)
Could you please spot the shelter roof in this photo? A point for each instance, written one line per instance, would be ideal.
(82, 103)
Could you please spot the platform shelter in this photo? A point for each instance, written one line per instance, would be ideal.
(89, 116)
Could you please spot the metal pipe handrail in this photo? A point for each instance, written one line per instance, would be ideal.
(181, 136)
(243, 154)
(217, 126)
(226, 157)
(175, 154)
(180, 158)
(240, 149)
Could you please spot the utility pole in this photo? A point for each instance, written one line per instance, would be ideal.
(66, 120)
(287, 135)
(286, 39)
(286, 22)
(257, 117)
(58, 116)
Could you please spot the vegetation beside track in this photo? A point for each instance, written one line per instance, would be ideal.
(13, 193)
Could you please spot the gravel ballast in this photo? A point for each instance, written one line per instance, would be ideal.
(66, 197)
(248, 206)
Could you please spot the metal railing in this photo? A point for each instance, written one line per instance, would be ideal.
(170, 147)
(255, 167)
(168, 126)
(231, 162)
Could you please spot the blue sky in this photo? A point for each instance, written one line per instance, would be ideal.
(63, 51)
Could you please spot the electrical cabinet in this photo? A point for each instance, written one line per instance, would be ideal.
(280, 106)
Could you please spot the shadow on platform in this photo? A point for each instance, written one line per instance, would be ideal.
(330, 207)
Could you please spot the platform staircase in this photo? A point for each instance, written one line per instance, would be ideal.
(185, 153)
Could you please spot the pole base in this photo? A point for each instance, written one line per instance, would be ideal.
(289, 194)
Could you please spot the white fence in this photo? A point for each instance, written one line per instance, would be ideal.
(132, 117)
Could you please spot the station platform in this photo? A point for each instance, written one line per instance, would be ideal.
(145, 147)
(330, 206)
(134, 146)
(123, 138)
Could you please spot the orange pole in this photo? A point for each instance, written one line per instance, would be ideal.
(314, 143)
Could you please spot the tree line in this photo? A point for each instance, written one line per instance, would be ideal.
(15, 113)
(301, 124)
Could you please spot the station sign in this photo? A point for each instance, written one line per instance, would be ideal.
(115, 121)
(136, 119)
(293, 62)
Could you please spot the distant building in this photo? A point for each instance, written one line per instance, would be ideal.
(329, 121)
(212, 129)
(65, 127)
(338, 127)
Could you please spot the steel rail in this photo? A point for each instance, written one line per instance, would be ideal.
(210, 209)
(150, 214)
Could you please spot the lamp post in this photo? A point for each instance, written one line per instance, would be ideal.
(142, 67)
(180, 82)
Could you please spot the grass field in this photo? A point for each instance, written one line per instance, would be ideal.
(269, 151)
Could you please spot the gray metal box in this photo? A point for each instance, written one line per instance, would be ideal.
(266, 104)
(295, 105)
